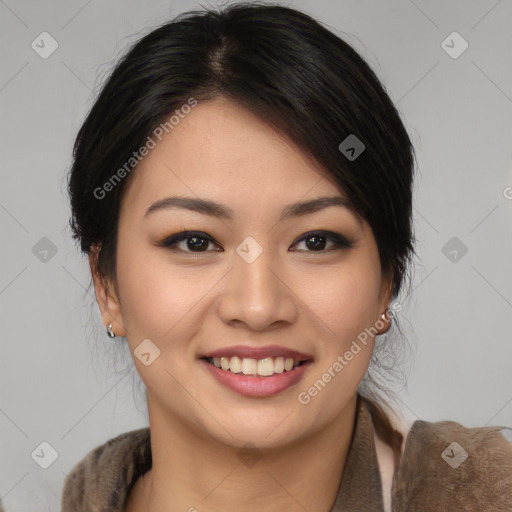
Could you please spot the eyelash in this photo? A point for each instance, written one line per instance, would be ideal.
(339, 241)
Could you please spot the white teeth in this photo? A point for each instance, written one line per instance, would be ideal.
(249, 366)
(266, 367)
(279, 365)
(235, 364)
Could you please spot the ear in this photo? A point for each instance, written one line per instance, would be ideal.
(385, 296)
(106, 296)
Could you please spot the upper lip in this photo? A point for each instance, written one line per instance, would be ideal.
(258, 353)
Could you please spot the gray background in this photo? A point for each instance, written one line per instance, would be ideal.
(60, 381)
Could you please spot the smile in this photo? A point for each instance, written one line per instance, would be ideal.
(265, 367)
(243, 376)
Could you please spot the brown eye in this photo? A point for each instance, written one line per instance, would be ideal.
(194, 242)
(316, 241)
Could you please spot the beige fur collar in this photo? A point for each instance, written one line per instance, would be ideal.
(434, 472)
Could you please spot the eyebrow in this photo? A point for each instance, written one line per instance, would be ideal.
(213, 209)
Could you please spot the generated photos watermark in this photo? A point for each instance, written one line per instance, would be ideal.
(137, 156)
(304, 397)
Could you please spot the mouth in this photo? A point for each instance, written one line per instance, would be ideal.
(257, 378)
(251, 367)
(258, 372)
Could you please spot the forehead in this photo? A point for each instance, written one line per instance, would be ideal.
(221, 150)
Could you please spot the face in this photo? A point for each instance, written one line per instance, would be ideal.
(255, 280)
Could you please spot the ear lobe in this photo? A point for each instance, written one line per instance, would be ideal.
(106, 297)
(386, 292)
(385, 296)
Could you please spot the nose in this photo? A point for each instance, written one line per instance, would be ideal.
(258, 294)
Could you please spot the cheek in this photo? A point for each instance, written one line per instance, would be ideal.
(158, 298)
(344, 299)
(151, 295)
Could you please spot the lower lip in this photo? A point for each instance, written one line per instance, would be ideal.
(257, 386)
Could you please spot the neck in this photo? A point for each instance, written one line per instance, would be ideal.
(191, 472)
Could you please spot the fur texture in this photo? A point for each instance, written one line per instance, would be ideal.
(473, 475)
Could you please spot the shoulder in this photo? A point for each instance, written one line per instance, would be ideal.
(447, 466)
(105, 475)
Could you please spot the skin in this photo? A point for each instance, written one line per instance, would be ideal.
(188, 303)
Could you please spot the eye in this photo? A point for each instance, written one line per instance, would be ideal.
(193, 241)
(316, 240)
(198, 242)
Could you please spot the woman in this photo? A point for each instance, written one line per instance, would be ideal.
(243, 189)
